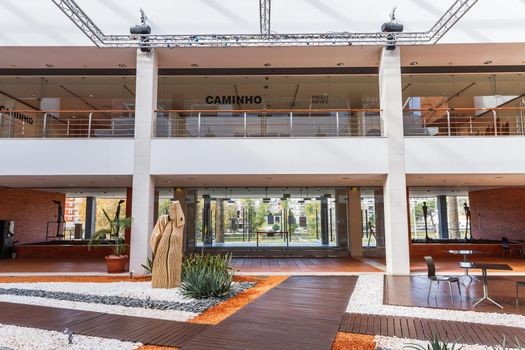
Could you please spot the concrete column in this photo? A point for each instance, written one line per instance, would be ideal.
(395, 193)
(443, 216)
(355, 222)
(143, 183)
(219, 220)
(91, 216)
(453, 218)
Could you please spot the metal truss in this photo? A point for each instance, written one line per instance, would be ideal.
(458, 9)
(264, 16)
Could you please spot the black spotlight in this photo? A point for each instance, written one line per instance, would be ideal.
(391, 27)
(142, 29)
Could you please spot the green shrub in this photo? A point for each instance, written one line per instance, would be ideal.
(206, 276)
(434, 343)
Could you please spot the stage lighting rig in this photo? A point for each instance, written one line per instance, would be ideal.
(143, 30)
(391, 27)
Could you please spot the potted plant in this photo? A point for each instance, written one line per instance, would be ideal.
(115, 262)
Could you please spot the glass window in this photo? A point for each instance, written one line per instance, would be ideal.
(468, 95)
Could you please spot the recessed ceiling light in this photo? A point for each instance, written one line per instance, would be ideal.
(487, 62)
(90, 95)
(194, 65)
(413, 63)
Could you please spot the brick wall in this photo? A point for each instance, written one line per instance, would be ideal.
(31, 211)
(498, 213)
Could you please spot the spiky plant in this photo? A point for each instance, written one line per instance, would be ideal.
(435, 343)
(206, 276)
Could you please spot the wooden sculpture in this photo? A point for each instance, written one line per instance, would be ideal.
(166, 245)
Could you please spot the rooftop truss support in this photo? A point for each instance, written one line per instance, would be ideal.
(264, 16)
(458, 9)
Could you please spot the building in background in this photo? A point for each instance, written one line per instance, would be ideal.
(308, 150)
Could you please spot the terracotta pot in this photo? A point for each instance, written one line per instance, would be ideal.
(116, 264)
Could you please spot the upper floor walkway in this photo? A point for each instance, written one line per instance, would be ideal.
(263, 123)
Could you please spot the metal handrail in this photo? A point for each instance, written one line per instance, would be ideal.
(465, 121)
(269, 123)
(301, 110)
(67, 123)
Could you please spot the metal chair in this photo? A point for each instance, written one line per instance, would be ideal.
(508, 247)
(431, 267)
(519, 284)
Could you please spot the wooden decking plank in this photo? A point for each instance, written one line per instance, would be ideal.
(304, 322)
(391, 329)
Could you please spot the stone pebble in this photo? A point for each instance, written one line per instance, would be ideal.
(196, 306)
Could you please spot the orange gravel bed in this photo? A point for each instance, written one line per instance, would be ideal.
(219, 312)
(347, 341)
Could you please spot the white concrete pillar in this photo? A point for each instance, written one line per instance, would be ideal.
(355, 222)
(143, 183)
(396, 218)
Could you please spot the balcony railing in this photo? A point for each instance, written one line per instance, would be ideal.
(269, 123)
(501, 121)
(66, 123)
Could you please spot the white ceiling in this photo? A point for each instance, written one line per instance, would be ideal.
(65, 181)
(39, 22)
(466, 180)
(267, 180)
(278, 57)
(333, 180)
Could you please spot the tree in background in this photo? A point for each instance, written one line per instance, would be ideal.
(230, 214)
(311, 210)
(164, 205)
(110, 206)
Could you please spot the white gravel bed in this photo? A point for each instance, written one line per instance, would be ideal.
(140, 290)
(367, 298)
(394, 343)
(172, 315)
(21, 338)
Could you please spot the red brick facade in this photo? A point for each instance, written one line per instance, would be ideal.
(31, 211)
(498, 213)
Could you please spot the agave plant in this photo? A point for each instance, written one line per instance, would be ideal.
(115, 231)
(206, 276)
(505, 346)
(434, 343)
(148, 266)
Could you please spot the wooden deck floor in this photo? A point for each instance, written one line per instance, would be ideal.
(302, 265)
(301, 313)
(423, 329)
(127, 328)
(254, 265)
(413, 291)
